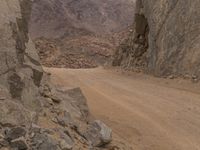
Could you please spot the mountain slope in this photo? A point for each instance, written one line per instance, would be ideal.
(83, 32)
(57, 18)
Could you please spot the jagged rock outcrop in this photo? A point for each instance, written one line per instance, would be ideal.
(20, 72)
(34, 114)
(173, 39)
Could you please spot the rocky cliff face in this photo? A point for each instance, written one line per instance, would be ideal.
(173, 38)
(21, 72)
(33, 113)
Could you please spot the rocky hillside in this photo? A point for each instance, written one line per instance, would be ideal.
(82, 52)
(165, 39)
(34, 114)
(82, 30)
(61, 18)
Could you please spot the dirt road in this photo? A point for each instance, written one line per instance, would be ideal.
(147, 113)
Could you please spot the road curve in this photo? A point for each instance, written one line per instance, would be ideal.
(147, 113)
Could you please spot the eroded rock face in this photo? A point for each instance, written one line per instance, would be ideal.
(33, 113)
(174, 36)
(20, 71)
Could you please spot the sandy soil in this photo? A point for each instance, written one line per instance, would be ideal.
(148, 113)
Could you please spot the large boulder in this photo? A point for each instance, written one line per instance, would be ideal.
(98, 134)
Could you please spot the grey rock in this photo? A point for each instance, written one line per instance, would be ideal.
(44, 142)
(74, 102)
(79, 100)
(14, 114)
(98, 134)
(172, 42)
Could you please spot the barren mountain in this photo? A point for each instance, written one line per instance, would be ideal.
(82, 32)
(58, 18)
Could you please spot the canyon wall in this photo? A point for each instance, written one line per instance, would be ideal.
(34, 114)
(173, 40)
(20, 72)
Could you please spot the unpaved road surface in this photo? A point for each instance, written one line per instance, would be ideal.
(147, 113)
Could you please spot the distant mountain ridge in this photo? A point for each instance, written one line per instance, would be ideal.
(58, 18)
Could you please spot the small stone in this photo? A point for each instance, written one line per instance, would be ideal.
(32, 135)
(65, 145)
(1, 136)
(171, 77)
(49, 100)
(14, 133)
(35, 128)
(48, 73)
(55, 99)
(64, 119)
(48, 131)
(19, 144)
(68, 139)
(194, 77)
(54, 120)
(3, 143)
(187, 76)
(2, 98)
(195, 80)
